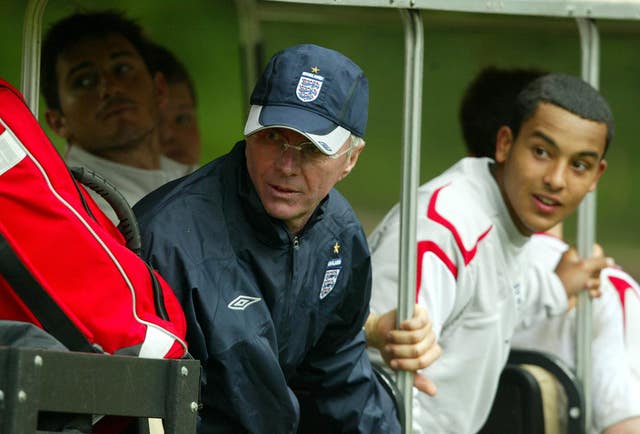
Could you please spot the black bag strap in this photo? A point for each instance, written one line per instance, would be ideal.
(52, 318)
(128, 226)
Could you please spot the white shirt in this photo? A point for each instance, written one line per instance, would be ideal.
(614, 396)
(134, 183)
(629, 294)
(470, 278)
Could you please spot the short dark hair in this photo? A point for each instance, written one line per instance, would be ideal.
(164, 61)
(567, 92)
(67, 32)
(489, 103)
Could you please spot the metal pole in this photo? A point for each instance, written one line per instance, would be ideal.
(250, 43)
(590, 59)
(414, 49)
(31, 42)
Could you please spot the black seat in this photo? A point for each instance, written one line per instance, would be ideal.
(517, 408)
(520, 402)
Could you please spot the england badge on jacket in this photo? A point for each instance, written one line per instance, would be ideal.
(333, 271)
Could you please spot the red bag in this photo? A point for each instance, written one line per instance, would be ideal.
(63, 265)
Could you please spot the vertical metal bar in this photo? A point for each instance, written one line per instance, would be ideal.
(250, 43)
(414, 49)
(590, 59)
(31, 42)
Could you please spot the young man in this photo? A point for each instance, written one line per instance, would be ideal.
(103, 99)
(473, 223)
(489, 103)
(179, 132)
(270, 262)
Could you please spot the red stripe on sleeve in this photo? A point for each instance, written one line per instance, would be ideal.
(621, 287)
(430, 246)
(436, 217)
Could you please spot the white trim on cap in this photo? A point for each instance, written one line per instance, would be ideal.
(334, 140)
(329, 143)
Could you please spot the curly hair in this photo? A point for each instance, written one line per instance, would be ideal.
(489, 103)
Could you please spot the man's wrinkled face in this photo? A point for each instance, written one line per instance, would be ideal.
(108, 98)
(546, 170)
(291, 183)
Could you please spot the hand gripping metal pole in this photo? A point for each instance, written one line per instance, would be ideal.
(414, 50)
(31, 42)
(590, 58)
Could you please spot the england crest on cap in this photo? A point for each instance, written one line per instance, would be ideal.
(309, 86)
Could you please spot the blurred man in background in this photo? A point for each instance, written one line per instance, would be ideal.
(179, 132)
(105, 102)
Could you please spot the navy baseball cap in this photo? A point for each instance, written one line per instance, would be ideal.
(315, 91)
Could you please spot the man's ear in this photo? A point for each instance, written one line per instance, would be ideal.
(161, 89)
(601, 166)
(504, 142)
(353, 159)
(57, 122)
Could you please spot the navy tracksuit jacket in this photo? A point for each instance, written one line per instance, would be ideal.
(276, 320)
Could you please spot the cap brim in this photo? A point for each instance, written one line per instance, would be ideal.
(326, 135)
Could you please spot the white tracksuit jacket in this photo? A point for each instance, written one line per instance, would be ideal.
(470, 277)
(615, 396)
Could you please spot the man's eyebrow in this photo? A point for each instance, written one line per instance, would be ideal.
(122, 53)
(78, 67)
(551, 142)
(592, 154)
(546, 138)
(87, 63)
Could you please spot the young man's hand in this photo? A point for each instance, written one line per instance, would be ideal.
(410, 348)
(578, 274)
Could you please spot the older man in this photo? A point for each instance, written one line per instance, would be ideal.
(270, 262)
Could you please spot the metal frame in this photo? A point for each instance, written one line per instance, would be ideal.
(250, 45)
(583, 10)
(590, 66)
(31, 43)
(610, 9)
(34, 380)
(414, 54)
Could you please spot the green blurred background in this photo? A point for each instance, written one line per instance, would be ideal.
(205, 34)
